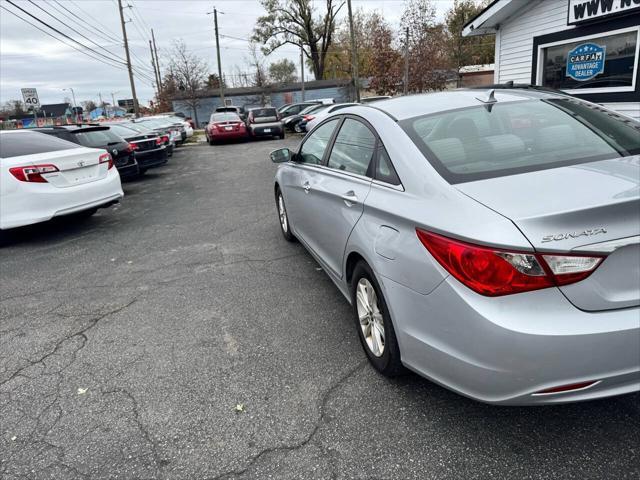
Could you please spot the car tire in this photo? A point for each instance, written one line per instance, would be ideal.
(209, 140)
(141, 172)
(282, 135)
(283, 217)
(297, 128)
(377, 335)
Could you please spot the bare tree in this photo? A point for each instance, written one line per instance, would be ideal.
(190, 73)
(294, 22)
(428, 58)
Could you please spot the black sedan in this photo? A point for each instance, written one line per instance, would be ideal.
(99, 136)
(149, 147)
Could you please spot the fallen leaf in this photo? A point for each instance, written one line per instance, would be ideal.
(82, 391)
(13, 439)
(239, 408)
(129, 262)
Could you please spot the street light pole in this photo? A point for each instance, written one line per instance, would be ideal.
(75, 105)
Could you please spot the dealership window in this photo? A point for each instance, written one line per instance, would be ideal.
(606, 62)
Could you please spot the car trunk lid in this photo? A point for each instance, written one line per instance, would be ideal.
(592, 207)
(75, 167)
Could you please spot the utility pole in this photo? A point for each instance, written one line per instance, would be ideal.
(155, 72)
(215, 23)
(406, 62)
(302, 70)
(354, 55)
(155, 51)
(136, 108)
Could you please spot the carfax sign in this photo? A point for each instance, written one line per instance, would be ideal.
(585, 61)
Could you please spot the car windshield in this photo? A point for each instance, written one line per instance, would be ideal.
(155, 123)
(313, 108)
(97, 138)
(19, 143)
(224, 117)
(123, 131)
(137, 127)
(516, 137)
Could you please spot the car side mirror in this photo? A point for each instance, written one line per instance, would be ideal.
(282, 155)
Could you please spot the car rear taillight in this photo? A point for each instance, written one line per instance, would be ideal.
(165, 138)
(106, 158)
(33, 174)
(133, 147)
(308, 118)
(494, 272)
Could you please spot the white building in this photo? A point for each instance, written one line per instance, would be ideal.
(588, 48)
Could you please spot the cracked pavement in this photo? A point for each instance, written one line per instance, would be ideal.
(127, 340)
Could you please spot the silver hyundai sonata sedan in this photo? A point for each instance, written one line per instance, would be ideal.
(487, 239)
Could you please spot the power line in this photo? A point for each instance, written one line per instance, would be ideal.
(87, 25)
(111, 63)
(75, 31)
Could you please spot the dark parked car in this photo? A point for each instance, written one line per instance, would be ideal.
(149, 147)
(264, 122)
(293, 123)
(98, 136)
(163, 131)
(295, 108)
(232, 109)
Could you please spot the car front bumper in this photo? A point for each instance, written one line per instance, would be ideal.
(505, 349)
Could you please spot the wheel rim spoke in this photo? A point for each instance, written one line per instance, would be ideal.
(369, 316)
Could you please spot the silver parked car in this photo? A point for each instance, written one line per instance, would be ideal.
(488, 240)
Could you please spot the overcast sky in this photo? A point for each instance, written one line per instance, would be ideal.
(30, 58)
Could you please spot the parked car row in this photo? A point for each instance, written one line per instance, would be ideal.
(235, 123)
(48, 172)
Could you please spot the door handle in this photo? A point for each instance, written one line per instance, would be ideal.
(306, 186)
(350, 198)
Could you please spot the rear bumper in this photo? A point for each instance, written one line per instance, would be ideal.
(228, 135)
(503, 350)
(152, 158)
(259, 131)
(34, 203)
(128, 170)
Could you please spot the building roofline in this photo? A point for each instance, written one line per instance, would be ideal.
(489, 19)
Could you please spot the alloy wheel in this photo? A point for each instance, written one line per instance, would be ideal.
(284, 222)
(370, 317)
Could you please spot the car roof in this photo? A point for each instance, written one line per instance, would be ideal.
(426, 103)
(72, 128)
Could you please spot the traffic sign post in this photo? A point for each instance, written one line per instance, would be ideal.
(30, 97)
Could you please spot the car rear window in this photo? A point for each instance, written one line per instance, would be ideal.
(20, 143)
(264, 112)
(97, 138)
(516, 137)
(123, 131)
(225, 117)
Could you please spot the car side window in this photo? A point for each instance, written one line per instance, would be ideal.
(353, 149)
(384, 169)
(312, 151)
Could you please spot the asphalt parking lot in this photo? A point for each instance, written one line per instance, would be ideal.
(179, 336)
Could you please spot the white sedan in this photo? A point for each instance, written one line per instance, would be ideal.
(42, 177)
(319, 116)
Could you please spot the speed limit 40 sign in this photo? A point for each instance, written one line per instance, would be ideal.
(30, 97)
